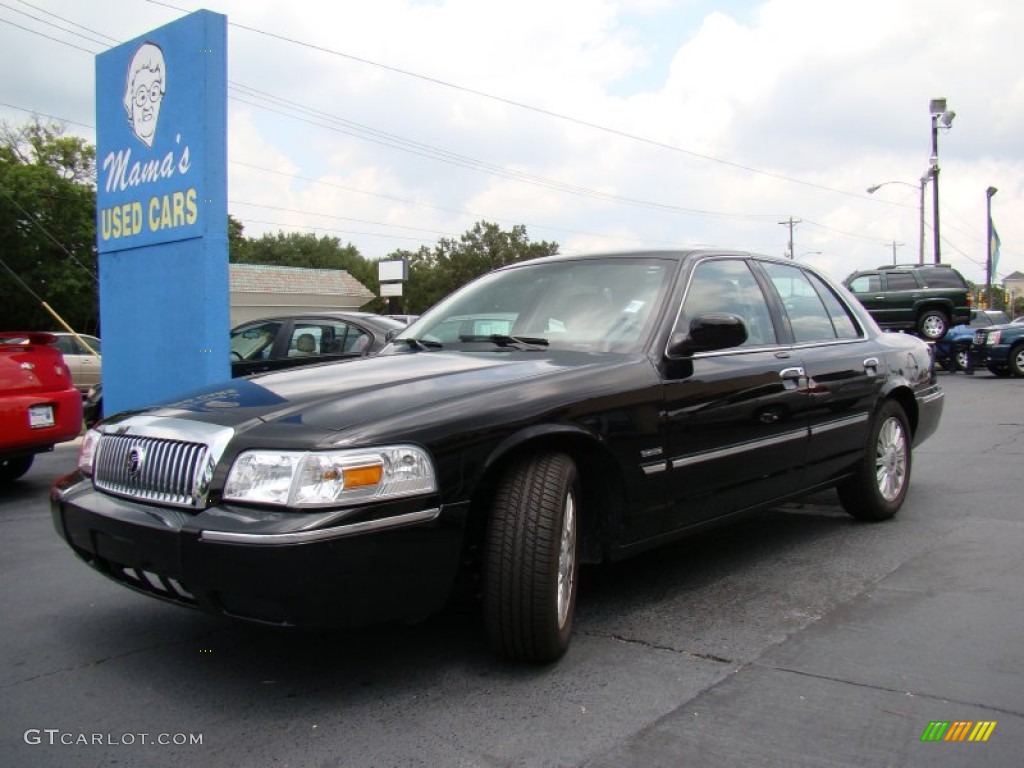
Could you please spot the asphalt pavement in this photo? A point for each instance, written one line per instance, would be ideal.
(799, 638)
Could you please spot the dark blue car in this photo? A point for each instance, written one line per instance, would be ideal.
(951, 350)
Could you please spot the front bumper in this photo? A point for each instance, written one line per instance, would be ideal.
(390, 562)
(983, 356)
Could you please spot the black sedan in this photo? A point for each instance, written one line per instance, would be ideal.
(558, 411)
(289, 341)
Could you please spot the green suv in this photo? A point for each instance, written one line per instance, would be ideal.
(926, 299)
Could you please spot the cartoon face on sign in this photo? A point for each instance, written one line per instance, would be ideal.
(144, 91)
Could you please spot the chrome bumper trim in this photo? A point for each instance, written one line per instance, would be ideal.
(320, 534)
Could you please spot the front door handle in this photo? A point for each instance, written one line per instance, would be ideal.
(793, 378)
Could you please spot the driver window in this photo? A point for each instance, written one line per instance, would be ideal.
(729, 286)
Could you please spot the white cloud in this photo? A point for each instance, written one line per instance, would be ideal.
(796, 105)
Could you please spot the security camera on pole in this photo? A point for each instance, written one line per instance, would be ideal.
(941, 118)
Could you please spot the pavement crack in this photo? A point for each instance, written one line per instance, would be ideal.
(887, 689)
(105, 659)
(660, 647)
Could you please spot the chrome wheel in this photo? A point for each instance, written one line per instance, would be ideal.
(891, 459)
(567, 560)
(933, 325)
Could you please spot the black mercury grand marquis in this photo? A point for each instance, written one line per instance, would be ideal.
(551, 413)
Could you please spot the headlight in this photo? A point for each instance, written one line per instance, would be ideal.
(87, 451)
(993, 338)
(330, 478)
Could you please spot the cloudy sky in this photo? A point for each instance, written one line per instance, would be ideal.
(599, 124)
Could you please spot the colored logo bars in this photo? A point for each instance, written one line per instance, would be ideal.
(958, 730)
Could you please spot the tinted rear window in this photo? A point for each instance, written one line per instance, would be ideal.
(941, 278)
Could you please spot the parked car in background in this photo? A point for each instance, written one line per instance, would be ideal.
(288, 341)
(404, 318)
(999, 349)
(953, 349)
(558, 411)
(925, 299)
(39, 406)
(83, 359)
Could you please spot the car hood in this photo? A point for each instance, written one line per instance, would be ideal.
(367, 391)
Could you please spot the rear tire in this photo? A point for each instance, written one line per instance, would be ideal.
(12, 469)
(932, 325)
(879, 486)
(531, 559)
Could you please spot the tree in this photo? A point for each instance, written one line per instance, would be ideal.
(47, 228)
(433, 274)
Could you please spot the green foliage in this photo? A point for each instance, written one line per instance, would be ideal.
(433, 274)
(47, 229)
(48, 240)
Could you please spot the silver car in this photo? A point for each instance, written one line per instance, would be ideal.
(83, 361)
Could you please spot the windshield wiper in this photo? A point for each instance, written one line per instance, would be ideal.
(422, 344)
(508, 341)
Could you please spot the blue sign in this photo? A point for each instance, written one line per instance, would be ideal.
(152, 109)
(161, 212)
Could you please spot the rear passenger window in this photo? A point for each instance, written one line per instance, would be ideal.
(900, 281)
(805, 305)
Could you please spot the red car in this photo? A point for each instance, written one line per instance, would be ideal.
(39, 406)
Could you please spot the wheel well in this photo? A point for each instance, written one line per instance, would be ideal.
(940, 308)
(600, 484)
(906, 400)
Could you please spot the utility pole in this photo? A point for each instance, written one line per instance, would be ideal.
(895, 245)
(790, 222)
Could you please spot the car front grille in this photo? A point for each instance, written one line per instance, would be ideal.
(165, 461)
(980, 337)
(164, 471)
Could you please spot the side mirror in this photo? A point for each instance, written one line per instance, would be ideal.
(715, 330)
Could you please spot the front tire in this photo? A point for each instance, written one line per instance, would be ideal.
(532, 554)
(879, 486)
(932, 325)
(12, 469)
(961, 355)
(1016, 361)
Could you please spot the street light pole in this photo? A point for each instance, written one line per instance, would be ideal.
(920, 226)
(988, 262)
(939, 114)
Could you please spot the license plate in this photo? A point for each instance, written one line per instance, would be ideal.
(40, 416)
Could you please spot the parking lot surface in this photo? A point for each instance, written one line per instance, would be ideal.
(796, 638)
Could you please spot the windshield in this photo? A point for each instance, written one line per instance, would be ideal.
(598, 304)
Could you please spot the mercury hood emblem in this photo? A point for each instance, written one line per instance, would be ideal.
(133, 461)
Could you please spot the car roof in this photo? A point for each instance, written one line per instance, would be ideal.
(355, 316)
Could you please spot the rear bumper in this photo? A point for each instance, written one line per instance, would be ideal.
(930, 403)
(19, 438)
(277, 568)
